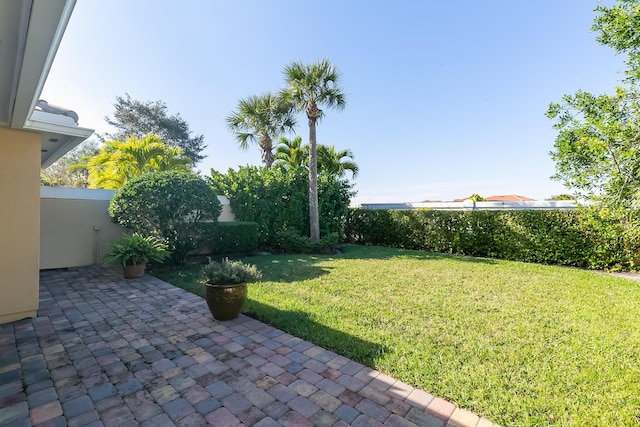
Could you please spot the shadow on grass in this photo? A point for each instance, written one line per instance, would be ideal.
(351, 251)
(302, 325)
(291, 268)
(287, 268)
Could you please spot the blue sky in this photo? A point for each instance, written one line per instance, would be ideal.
(444, 99)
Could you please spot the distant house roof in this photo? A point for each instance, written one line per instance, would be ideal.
(509, 198)
(506, 198)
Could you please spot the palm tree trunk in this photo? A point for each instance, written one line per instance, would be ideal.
(266, 149)
(314, 218)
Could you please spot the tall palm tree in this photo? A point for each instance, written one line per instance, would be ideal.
(261, 118)
(119, 161)
(310, 86)
(291, 152)
(336, 162)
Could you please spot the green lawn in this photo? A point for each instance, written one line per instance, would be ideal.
(522, 344)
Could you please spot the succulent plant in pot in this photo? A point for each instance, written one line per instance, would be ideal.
(134, 251)
(226, 286)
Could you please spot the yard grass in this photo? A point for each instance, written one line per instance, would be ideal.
(522, 344)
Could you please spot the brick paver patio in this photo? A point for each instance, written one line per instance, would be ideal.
(105, 351)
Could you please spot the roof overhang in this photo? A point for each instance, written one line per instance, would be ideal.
(30, 34)
(59, 134)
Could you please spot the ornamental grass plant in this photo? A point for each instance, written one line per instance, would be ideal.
(229, 272)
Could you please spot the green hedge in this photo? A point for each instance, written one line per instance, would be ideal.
(278, 200)
(580, 238)
(230, 237)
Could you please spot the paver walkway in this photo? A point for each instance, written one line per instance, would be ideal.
(108, 352)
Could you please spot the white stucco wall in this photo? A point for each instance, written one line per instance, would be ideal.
(75, 229)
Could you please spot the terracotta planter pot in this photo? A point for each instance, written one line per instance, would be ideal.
(132, 271)
(225, 301)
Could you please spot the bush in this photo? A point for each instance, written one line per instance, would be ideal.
(230, 237)
(278, 199)
(581, 238)
(289, 241)
(169, 205)
(135, 249)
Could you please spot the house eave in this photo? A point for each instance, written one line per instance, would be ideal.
(57, 137)
(47, 22)
(33, 30)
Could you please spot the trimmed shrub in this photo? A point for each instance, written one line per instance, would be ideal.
(581, 238)
(168, 205)
(278, 200)
(288, 241)
(231, 237)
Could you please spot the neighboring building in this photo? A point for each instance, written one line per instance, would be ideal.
(30, 33)
(469, 205)
(509, 198)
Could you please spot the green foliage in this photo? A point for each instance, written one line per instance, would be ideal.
(291, 153)
(260, 119)
(169, 205)
(136, 248)
(230, 237)
(582, 238)
(71, 170)
(134, 118)
(312, 85)
(619, 27)
(476, 198)
(277, 199)
(562, 197)
(228, 272)
(336, 162)
(596, 150)
(119, 161)
(287, 241)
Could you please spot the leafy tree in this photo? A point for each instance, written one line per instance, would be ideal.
(71, 170)
(310, 86)
(137, 119)
(169, 205)
(476, 198)
(291, 153)
(336, 162)
(597, 150)
(619, 27)
(260, 119)
(119, 161)
(562, 197)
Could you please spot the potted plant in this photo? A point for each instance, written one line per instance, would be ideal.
(134, 251)
(226, 286)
